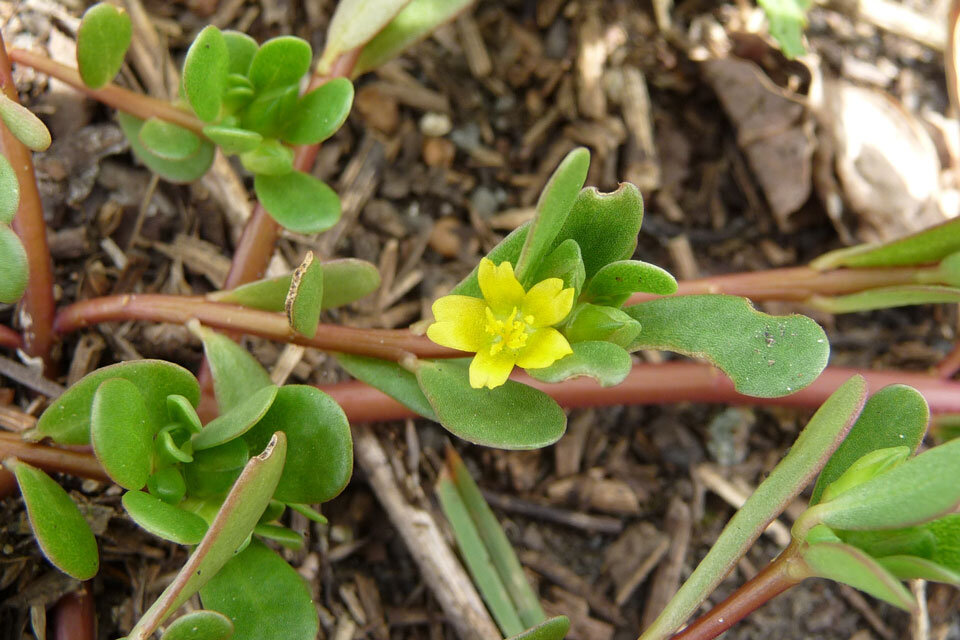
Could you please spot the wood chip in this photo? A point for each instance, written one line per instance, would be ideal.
(592, 56)
(473, 48)
(666, 580)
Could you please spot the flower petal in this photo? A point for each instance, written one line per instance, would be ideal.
(547, 303)
(460, 323)
(490, 371)
(544, 347)
(500, 287)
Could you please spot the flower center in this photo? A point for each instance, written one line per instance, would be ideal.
(510, 333)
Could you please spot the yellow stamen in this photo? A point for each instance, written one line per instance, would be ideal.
(510, 333)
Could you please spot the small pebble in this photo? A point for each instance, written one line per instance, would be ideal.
(435, 124)
(438, 152)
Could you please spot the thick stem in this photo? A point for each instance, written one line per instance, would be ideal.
(137, 104)
(38, 306)
(766, 585)
(10, 338)
(75, 616)
(49, 458)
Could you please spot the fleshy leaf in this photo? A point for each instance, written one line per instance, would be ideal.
(168, 485)
(320, 456)
(182, 412)
(240, 51)
(237, 421)
(24, 125)
(886, 298)
(555, 628)
(270, 110)
(102, 42)
(615, 282)
(67, 419)
(924, 247)
(233, 139)
(605, 362)
(282, 535)
(186, 170)
(212, 471)
(253, 587)
(280, 62)
(199, 625)
(911, 567)
(205, 73)
(298, 201)
(236, 374)
(14, 268)
(167, 140)
(389, 377)
(121, 432)
(270, 158)
(354, 23)
(564, 262)
(848, 565)
(766, 356)
(869, 466)
(303, 302)
(511, 416)
(58, 526)
(164, 520)
(320, 113)
(9, 192)
(590, 322)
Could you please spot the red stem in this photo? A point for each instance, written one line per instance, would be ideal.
(10, 338)
(75, 616)
(38, 305)
(50, 458)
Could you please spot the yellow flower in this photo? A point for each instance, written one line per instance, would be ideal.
(508, 326)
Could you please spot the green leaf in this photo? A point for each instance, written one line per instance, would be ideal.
(806, 457)
(280, 62)
(182, 412)
(415, 22)
(14, 268)
(67, 419)
(270, 111)
(911, 567)
(64, 536)
(564, 262)
(615, 282)
(389, 377)
(590, 322)
(230, 529)
(869, 466)
(168, 485)
(24, 125)
(270, 158)
(309, 512)
(919, 490)
(170, 451)
(605, 225)
(233, 139)
(237, 421)
(121, 432)
(102, 42)
(164, 520)
(186, 170)
(555, 628)
(924, 247)
(241, 49)
(344, 281)
(167, 140)
(213, 471)
(303, 302)
(9, 192)
(787, 20)
(199, 625)
(354, 23)
(236, 374)
(885, 298)
(320, 113)
(288, 538)
(298, 201)
(896, 415)
(605, 362)
(205, 73)
(848, 565)
(263, 596)
(553, 207)
(511, 416)
(937, 541)
(766, 356)
(320, 458)
(946, 531)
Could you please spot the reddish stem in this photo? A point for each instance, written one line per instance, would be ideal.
(10, 338)
(75, 616)
(50, 458)
(38, 305)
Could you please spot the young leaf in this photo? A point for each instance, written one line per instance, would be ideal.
(168, 485)
(25, 127)
(616, 281)
(67, 419)
(182, 413)
(63, 535)
(270, 111)
(240, 51)
(320, 458)
(270, 158)
(286, 537)
(787, 20)
(924, 247)
(813, 447)
(848, 565)
(9, 192)
(230, 528)
(164, 520)
(354, 23)
(590, 322)
(416, 21)
(237, 421)
(303, 301)
(213, 471)
(199, 625)
(121, 432)
(911, 567)
(389, 377)
(555, 628)
(170, 451)
(564, 262)
(310, 513)
(205, 73)
(233, 139)
(102, 42)
(236, 374)
(320, 113)
(280, 62)
(14, 269)
(253, 587)
(553, 207)
(180, 171)
(886, 298)
(511, 416)
(766, 356)
(894, 416)
(869, 466)
(167, 140)
(605, 362)
(298, 201)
